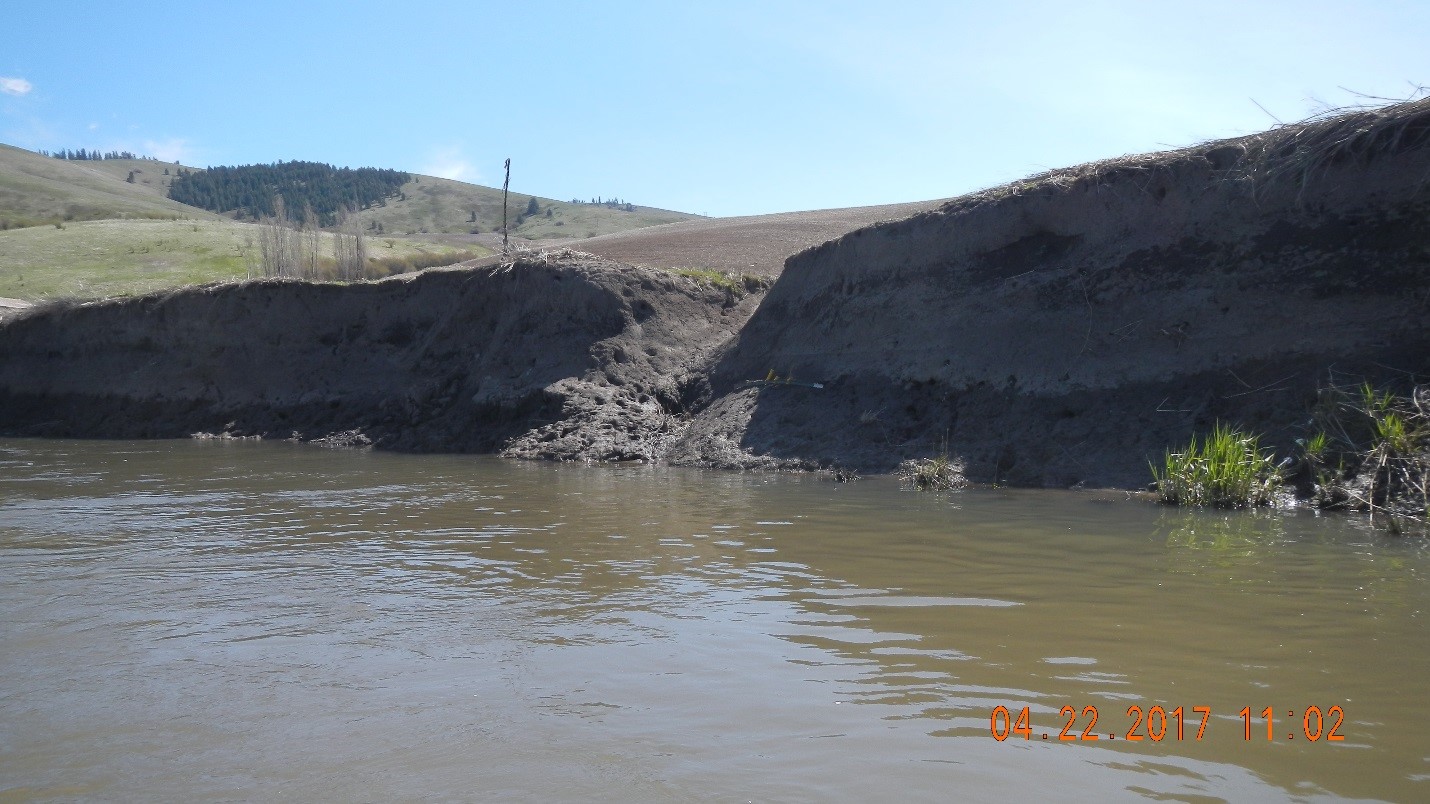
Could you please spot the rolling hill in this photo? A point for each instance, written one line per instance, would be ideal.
(79, 229)
(118, 252)
(82, 229)
(431, 205)
(37, 190)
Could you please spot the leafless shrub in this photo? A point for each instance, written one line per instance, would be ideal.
(350, 250)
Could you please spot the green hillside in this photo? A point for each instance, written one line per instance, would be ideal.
(151, 176)
(38, 190)
(81, 228)
(431, 205)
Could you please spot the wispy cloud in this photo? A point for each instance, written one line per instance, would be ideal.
(15, 86)
(170, 150)
(449, 163)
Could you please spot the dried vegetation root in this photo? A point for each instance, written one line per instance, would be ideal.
(524, 254)
(1372, 453)
(1298, 151)
(933, 474)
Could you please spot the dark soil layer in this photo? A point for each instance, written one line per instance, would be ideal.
(1062, 330)
(571, 357)
(1069, 328)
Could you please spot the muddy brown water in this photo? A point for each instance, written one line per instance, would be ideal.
(187, 621)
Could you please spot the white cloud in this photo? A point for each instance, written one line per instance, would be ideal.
(15, 86)
(170, 150)
(449, 163)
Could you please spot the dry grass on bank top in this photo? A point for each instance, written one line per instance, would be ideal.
(1291, 154)
(1294, 153)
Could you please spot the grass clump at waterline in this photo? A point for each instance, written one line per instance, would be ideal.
(939, 473)
(1226, 469)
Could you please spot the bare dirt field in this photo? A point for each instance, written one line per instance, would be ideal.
(754, 244)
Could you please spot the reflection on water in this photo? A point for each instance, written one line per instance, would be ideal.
(216, 621)
(1232, 533)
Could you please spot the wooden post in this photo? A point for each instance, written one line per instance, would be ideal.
(504, 184)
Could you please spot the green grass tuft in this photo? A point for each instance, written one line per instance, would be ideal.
(1227, 469)
(733, 282)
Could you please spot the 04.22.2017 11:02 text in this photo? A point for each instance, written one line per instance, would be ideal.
(1157, 723)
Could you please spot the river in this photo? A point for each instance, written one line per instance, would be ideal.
(201, 621)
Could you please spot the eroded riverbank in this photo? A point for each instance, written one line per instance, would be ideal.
(1060, 331)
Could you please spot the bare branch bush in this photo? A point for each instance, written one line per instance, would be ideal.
(350, 249)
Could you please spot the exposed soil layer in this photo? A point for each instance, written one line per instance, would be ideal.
(1062, 330)
(1069, 328)
(571, 357)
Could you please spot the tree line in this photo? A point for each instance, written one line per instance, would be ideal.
(287, 189)
(82, 154)
(613, 203)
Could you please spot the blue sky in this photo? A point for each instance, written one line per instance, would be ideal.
(727, 108)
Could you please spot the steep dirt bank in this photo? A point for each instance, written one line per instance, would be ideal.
(1067, 328)
(1058, 331)
(562, 357)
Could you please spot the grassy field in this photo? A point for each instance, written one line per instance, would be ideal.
(92, 259)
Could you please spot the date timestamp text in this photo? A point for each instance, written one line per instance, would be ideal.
(1157, 723)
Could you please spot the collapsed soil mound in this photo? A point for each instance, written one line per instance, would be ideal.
(1067, 328)
(567, 356)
